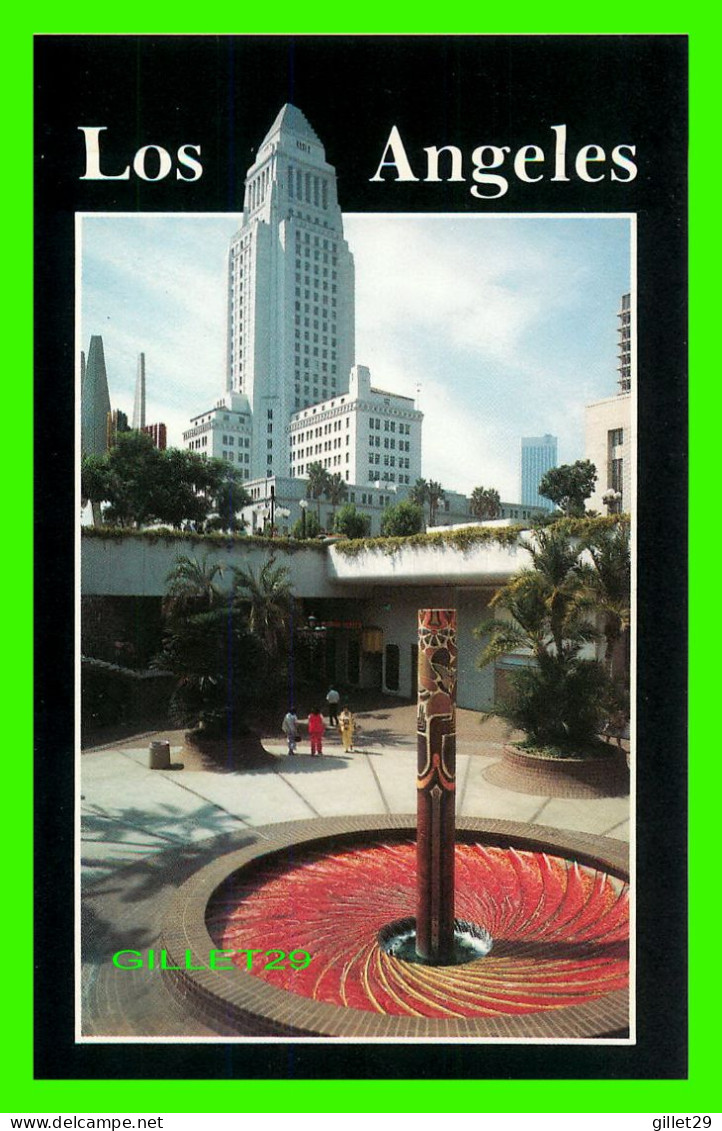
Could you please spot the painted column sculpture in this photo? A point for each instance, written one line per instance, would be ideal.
(436, 785)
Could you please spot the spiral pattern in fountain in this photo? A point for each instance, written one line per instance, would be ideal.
(559, 930)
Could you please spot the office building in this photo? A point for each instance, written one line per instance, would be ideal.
(224, 431)
(366, 435)
(158, 434)
(538, 455)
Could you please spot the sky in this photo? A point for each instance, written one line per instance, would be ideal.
(502, 327)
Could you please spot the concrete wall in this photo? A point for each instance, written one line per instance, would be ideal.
(396, 612)
(438, 565)
(139, 567)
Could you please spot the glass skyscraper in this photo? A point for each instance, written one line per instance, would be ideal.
(538, 455)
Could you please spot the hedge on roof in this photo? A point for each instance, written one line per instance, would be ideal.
(468, 537)
(215, 539)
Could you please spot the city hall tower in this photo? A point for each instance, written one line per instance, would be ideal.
(291, 311)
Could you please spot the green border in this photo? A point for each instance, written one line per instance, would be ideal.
(22, 1093)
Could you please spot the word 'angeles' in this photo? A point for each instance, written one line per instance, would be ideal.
(528, 163)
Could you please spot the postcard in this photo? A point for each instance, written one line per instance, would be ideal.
(361, 361)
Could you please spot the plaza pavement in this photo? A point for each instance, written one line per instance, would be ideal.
(143, 832)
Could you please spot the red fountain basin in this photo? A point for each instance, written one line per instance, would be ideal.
(556, 904)
(559, 929)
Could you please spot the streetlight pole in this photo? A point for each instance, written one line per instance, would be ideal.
(303, 503)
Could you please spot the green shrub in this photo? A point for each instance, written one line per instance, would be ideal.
(563, 705)
(402, 520)
(352, 523)
(312, 527)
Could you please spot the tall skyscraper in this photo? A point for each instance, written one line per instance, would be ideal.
(610, 428)
(291, 311)
(94, 401)
(138, 422)
(624, 331)
(538, 455)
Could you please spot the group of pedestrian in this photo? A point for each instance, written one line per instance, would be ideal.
(343, 722)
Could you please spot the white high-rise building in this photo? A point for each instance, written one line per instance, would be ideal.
(367, 435)
(538, 455)
(290, 289)
(224, 432)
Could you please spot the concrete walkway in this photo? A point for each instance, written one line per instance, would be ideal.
(143, 832)
(129, 811)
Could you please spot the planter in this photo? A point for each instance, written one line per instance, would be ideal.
(524, 772)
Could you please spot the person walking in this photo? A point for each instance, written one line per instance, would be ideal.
(333, 699)
(346, 726)
(289, 726)
(315, 731)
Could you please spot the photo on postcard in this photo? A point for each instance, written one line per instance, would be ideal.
(357, 593)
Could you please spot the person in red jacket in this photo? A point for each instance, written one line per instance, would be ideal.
(315, 731)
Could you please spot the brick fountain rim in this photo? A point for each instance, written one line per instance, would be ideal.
(230, 995)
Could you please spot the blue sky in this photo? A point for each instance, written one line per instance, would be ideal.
(507, 324)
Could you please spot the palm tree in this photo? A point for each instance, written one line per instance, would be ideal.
(546, 617)
(268, 596)
(318, 480)
(435, 496)
(192, 587)
(561, 697)
(419, 493)
(335, 489)
(606, 582)
(556, 562)
(484, 502)
(427, 491)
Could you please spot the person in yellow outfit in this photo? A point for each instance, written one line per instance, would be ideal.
(346, 728)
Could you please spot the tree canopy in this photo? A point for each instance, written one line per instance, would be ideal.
(427, 491)
(484, 502)
(352, 523)
(308, 528)
(318, 483)
(569, 486)
(402, 520)
(138, 484)
(335, 489)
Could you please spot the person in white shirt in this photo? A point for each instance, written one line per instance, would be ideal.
(333, 699)
(289, 726)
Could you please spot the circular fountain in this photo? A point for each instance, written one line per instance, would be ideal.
(554, 903)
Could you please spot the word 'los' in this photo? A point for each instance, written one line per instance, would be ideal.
(530, 163)
(188, 168)
(217, 960)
